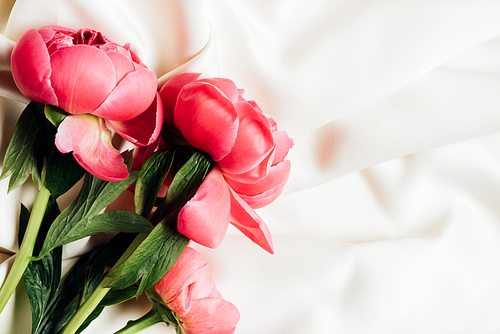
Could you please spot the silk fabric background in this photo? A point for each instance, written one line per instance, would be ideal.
(390, 222)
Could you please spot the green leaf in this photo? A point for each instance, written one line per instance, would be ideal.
(62, 173)
(159, 313)
(151, 260)
(158, 252)
(188, 179)
(184, 184)
(82, 280)
(23, 156)
(95, 313)
(108, 222)
(94, 196)
(41, 278)
(167, 315)
(54, 114)
(114, 297)
(151, 176)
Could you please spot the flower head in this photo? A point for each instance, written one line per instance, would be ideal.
(249, 151)
(189, 291)
(85, 74)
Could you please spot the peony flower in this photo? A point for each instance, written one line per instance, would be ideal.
(100, 84)
(249, 151)
(189, 291)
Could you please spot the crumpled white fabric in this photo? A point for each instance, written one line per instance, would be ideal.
(390, 222)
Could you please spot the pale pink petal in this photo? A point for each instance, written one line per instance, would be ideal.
(206, 119)
(253, 144)
(169, 92)
(90, 140)
(227, 86)
(31, 68)
(131, 96)
(283, 145)
(143, 129)
(264, 192)
(121, 63)
(211, 316)
(245, 219)
(187, 269)
(204, 219)
(182, 302)
(204, 287)
(83, 77)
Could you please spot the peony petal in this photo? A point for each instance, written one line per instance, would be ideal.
(90, 140)
(169, 92)
(206, 119)
(47, 33)
(253, 144)
(263, 199)
(227, 86)
(204, 287)
(264, 192)
(187, 269)
(143, 129)
(254, 175)
(245, 219)
(283, 146)
(211, 316)
(121, 63)
(31, 68)
(82, 78)
(204, 219)
(131, 97)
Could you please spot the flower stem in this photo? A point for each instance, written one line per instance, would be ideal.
(26, 249)
(100, 291)
(134, 326)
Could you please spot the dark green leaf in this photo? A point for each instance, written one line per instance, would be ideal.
(151, 260)
(184, 184)
(46, 132)
(23, 156)
(94, 196)
(62, 173)
(108, 222)
(95, 313)
(114, 297)
(173, 137)
(41, 278)
(188, 179)
(82, 281)
(152, 174)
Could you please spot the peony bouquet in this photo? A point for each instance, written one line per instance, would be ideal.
(203, 157)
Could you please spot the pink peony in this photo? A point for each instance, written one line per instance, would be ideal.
(99, 83)
(249, 151)
(189, 291)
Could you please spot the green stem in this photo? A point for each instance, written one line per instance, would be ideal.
(100, 291)
(26, 250)
(135, 326)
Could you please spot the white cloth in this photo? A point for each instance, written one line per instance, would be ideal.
(390, 222)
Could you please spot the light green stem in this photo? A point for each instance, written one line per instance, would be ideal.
(100, 291)
(26, 250)
(135, 326)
